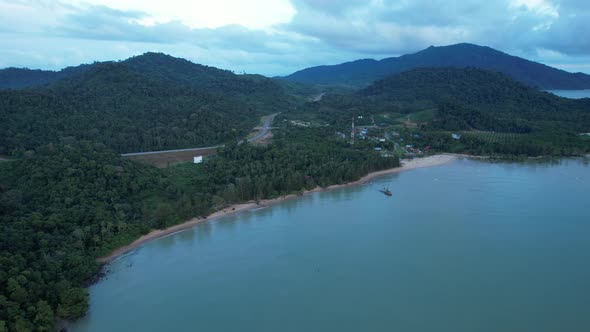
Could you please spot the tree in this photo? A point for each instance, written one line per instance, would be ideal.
(73, 303)
(44, 319)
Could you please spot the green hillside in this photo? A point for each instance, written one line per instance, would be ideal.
(151, 102)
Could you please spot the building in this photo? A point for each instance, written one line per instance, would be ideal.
(455, 136)
(197, 159)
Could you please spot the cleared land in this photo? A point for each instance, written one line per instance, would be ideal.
(165, 159)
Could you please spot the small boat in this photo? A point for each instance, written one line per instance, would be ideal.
(386, 191)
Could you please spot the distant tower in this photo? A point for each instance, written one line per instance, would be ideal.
(352, 132)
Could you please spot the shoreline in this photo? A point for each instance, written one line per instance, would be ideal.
(406, 164)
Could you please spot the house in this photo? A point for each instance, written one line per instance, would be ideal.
(455, 136)
(382, 140)
(197, 159)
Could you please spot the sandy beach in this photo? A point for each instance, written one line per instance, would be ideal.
(407, 164)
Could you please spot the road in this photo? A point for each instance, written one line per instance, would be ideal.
(170, 151)
(319, 97)
(263, 131)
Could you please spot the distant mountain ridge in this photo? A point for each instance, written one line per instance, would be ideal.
(365, 71)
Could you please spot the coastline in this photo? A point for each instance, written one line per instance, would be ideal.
(406, 164)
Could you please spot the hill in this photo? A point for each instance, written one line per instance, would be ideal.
(492, 95)
(18, 78)
(363, 72)
(149, 102)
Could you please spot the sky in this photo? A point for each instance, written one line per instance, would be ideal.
(278, 37)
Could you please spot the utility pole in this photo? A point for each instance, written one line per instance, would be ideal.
(352, 132)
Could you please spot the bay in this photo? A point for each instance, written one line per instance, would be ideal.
(572, 94)
(468, 246)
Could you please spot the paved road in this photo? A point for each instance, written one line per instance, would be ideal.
(319, 97)
(170, 151)
(265, 128)
(263, 131)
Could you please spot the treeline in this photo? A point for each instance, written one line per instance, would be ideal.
(64, 205)
(151, 102)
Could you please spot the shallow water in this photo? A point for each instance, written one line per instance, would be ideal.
(572, 94)
(468, 246)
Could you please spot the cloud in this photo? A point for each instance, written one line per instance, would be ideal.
(277, 37)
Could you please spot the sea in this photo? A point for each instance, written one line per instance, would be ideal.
(572, 94)
(467, 246)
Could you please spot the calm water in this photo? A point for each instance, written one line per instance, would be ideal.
(464, 247)
(573, 94)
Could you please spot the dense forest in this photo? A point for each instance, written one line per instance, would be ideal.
(64, 205)
(364, 72)
(150, 102)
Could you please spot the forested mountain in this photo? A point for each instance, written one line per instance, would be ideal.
(486, 94)
(17, 78)
(363, 72)
(150, 102)
(481, 94)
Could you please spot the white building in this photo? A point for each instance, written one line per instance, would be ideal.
(197, 159)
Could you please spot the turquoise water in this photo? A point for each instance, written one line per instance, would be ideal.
(572, 94)
(469, 246)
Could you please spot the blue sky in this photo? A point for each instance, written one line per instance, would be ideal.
(276, 37)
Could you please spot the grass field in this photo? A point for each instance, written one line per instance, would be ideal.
(165, 159)
(388, 118)
(421, 116)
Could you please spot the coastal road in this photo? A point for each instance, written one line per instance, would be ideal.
(263, 131)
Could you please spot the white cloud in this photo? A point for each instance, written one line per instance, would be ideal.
(260, 14)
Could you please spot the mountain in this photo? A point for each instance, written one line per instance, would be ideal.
(18, 78)
(504, 104)
(363, 72)
(149, 102)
